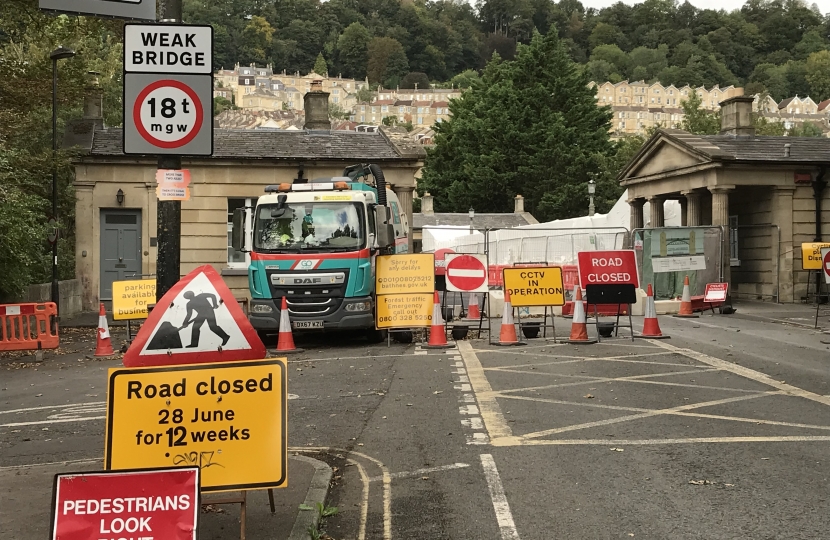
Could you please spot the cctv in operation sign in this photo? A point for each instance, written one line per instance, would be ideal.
(228, 419)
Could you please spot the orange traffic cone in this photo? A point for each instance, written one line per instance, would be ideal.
(285, 343)
(579, 326)
(103, 345)
(507, 333)
(437, 332)
(473, 312)
(686, 302)
(651, 328)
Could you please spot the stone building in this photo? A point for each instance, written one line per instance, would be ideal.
(766, 192)
(116, 193)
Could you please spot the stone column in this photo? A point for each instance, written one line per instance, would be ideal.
(656, 208)
(404, 194)
(720, 217)
(782, 215)
(692, 213)
(636, 213)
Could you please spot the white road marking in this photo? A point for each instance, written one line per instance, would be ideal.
(478, 438)
(463, 379)
(468, 409)
(503, 515)
(648, 442)
(746, 373)
(422, 472)
(473, 423)
(30, 409)
(490, 409)
(57, 421)
(463, 387)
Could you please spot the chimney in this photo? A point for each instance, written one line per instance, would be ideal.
(519, 205)
(426, 204)
(736, 116)
(316, 105)
(93, 98)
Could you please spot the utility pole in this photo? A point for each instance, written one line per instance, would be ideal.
(169, 213)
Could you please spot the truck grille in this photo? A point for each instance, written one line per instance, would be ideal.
(314, 293)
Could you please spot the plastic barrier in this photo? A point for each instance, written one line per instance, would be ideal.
(28, 327)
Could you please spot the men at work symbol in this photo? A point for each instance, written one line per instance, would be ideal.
(204, 305)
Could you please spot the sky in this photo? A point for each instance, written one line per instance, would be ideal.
(729, 5)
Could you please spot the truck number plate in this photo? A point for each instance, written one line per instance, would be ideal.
(306, 324)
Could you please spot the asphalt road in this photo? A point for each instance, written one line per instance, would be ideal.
(720, 432)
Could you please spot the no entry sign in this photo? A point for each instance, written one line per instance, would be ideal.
(466, 273)
(825, 263)
(608, 268)
(126, 504)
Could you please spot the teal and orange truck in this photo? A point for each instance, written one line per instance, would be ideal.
(315, 243)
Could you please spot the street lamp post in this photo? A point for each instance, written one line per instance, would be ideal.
(60, 53)
(472, 215)
(592, 188)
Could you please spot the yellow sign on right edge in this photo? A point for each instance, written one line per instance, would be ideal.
(130, 298)
(811, 255)
(535, 286)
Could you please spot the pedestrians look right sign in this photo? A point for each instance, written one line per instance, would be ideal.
(168, 89)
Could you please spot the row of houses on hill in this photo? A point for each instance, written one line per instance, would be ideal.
(639, 106)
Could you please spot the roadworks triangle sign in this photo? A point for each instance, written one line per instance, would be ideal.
(197, 321)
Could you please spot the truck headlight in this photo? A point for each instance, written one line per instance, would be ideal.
(261, 308)
(359, 306)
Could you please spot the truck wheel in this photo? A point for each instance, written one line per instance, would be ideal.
(402, 337)
(375, 336)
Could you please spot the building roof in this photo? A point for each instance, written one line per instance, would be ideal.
(786, 102)
(823, 105)
(480, 221)
(251, 144)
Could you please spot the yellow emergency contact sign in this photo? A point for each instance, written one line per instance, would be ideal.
(229, 419)
(535, 286)
(811, 255)
(404, 310)
(405, 273)
(130, 298)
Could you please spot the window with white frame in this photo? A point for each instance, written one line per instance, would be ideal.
(238, 259)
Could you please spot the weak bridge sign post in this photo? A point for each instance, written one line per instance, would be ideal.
(228, 419)
(404, 288)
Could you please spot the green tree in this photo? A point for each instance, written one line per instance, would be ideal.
(221, 105)
(465, 79)
(320, 66)
(818, 75)
(807, 129)
(257, 38)
(364, 94)
(387, 60)
(696, 119)
(766, 127)
(353, 50)
(415, 79)
(530, 126)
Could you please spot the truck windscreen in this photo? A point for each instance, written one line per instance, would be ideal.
(310, 226)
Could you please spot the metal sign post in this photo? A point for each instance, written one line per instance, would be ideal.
(168, 111)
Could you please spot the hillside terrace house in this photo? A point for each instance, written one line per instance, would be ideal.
(768, 194)
(116, 201)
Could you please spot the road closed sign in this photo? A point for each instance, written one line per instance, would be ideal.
(149, 504)
(535, 286)
(228, 419)
(618, 267)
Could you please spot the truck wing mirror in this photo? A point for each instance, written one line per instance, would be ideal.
(238, 233)
(385, 236)
(280, 209)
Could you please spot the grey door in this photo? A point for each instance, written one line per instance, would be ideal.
(120, 248)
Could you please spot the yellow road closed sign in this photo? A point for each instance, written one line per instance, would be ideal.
(535, 286)
(406, 273)
(811, 255)
(130, 298)
(404, 310)
(229, 419)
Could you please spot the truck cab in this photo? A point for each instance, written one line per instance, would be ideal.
(314, 245)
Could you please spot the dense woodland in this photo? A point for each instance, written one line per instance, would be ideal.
(779, 46)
